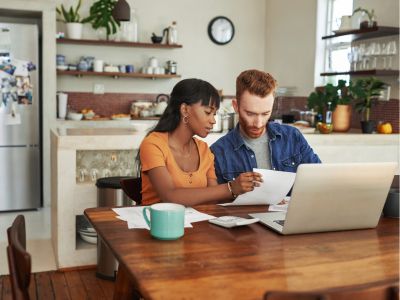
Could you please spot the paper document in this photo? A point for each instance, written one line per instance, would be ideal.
(134, 216)
(273, 189)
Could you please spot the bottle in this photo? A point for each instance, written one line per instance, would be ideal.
(130, 28)
(328, 117)
(172, 34)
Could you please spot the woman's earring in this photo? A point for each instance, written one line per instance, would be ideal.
(185, 119)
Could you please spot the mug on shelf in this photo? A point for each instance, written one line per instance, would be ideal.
(98, 65)
(166, 220)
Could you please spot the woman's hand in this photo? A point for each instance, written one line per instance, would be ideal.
(246, 182)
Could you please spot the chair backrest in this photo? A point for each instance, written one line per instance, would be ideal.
(372, 291)
(19, 260)
(132, 188)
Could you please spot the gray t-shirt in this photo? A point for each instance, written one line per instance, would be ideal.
(260, 149)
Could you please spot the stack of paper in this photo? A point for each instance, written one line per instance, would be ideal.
(134, 216)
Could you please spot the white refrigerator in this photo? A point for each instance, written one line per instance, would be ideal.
(20, 115)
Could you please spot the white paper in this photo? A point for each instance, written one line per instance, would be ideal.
(273, 189)
(134, 216)
(21, 67)
(10, 119)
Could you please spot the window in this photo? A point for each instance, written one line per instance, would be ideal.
(334, 56)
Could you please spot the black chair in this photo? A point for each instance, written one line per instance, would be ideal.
(19, 260)
(132, 187)
(373, 291)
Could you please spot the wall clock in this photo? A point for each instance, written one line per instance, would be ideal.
(221, 30)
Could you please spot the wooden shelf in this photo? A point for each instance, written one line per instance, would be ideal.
(364, 72)
(366, 33)
(116, 44)
(117, 74)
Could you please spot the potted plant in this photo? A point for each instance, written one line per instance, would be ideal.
(101, 18)
(319, 100)
(364, 91)
(72, 20)
(365, 13)
(341, 116)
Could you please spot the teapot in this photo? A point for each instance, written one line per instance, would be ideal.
(161, 104)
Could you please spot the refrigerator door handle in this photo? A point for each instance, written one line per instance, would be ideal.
(13, 146)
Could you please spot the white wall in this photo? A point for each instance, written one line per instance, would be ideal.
(386, 11)
(290, 43)
(199, 57)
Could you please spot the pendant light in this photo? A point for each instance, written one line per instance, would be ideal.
(121, 11)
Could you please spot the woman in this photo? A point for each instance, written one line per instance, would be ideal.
(176, 166)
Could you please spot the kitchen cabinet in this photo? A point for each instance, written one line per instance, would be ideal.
(106, 43)
(364, 34)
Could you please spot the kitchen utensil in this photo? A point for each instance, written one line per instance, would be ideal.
(98, 65)
(62, 105)
(74, 116)
(153, 62)
(156, 39)
(171, 67)
(162, 103)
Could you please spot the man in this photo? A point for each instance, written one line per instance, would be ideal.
(255, 143)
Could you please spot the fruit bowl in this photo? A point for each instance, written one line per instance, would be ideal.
(324, 127)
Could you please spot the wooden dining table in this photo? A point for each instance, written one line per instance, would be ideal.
(212, 262)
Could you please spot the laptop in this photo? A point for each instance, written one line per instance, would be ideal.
(333, 197)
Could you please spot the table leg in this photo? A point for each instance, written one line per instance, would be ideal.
(124, 287)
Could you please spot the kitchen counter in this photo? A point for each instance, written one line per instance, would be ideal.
(333, 147)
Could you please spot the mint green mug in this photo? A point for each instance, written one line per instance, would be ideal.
(166, 220)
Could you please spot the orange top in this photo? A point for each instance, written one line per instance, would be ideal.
(155, 152)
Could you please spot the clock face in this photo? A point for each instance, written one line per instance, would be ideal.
(221, 30)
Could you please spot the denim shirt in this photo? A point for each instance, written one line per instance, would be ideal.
(287, 146)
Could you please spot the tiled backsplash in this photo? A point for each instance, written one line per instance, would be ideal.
(94, 164)
(111, 103)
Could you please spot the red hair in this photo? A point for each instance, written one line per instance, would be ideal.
(255, 82)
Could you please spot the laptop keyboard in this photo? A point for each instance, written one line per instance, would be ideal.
(280, 222)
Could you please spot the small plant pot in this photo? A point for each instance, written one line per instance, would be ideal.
(341, 118)
(74, 30)
(367, 126)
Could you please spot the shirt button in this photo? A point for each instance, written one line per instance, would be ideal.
(292, 163)
(252, 156)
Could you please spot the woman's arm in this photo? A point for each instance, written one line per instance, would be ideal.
(161, 180)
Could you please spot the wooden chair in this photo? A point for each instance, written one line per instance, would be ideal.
(19, 261)
(132, 187)
(366, 292)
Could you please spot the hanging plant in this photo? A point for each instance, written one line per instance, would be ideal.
(101, 16)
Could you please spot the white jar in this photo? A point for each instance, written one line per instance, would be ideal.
(132, 28)
(172, 34)
(98, 65)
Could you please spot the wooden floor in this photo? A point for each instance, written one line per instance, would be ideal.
(81, 284)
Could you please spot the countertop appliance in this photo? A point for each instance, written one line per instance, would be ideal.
(20, 114)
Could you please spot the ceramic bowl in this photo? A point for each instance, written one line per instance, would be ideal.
(156, 39)
(62, 67)
(88, 238)
(74, 116)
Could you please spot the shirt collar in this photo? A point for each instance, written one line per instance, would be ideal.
(273, 130)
